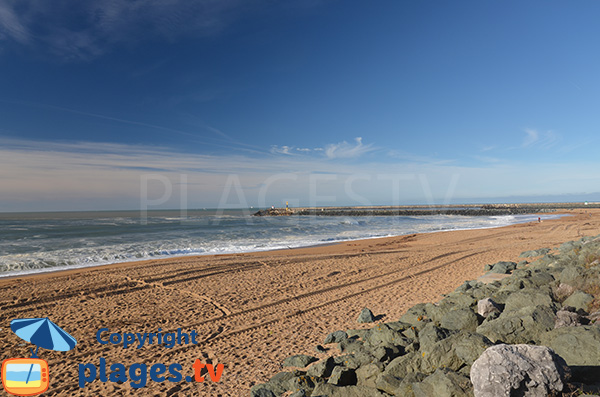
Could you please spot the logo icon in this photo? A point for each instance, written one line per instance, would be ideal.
(30, 376)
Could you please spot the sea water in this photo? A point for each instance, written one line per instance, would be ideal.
(38, 242)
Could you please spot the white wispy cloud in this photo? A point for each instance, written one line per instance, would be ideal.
(340, 150)
(103, 23)
(535, 138)
(347, 150)
(45, 175)
(282, 149)
(11, 26)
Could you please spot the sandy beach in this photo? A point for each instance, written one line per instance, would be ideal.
(250, 311)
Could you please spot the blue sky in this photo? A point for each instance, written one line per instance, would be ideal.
(117, 105)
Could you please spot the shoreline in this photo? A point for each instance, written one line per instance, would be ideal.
(59, 269)
(253, 310)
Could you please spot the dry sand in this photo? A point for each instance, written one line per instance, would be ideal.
(251, 311)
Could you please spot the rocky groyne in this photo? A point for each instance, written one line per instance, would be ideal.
(534, 331)
(466, 210)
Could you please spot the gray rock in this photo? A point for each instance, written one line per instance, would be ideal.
(594, 317)
(533, 253)
(329, 390)
(367, 375)
(579, 346)
(277, 385)
(487, 306)
(335, 337)
(563, 291)
(399, 387)
(521, 326)
(443, 383)
(299, 360)
(431, 334)
(366, 316)
(460, 319)
(579, 300)
(538, 279)
(401, 366)
(527, 297)
(359, 333)
(503, 267)
(355, 360)
(387, 383)
(522, 264)
(321, 369)
(299, 393)
(518, 370)
(261, 391)
(567, 318)
(453, 352)
(571, 275)
(398, 326)
(416, 316)
(341, 376)
(383, 334)
(302, 382)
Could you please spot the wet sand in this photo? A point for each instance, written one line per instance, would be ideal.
(250, 311)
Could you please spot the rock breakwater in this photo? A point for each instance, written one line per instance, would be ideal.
(534, 333)
(466, 210)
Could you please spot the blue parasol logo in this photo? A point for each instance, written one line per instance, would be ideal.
(29, 376)
(42, 332)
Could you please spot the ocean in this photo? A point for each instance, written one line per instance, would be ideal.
(40, 242)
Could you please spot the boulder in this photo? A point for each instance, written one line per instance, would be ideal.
(302, 382)
(521, 326)
(335, 337)
(563, 291)
(417, 315)
(261, 391)
(366, 316)
(487, 306)
(460, 319)
(299, 360)
(567, 317)
(383, 334)
(431, 334)
(277, 385)
(518, 370)
(580, 347)
(522, 264)
(299, 393)
(533, 253)
(367, 375)
(503, 267)
(527, 297)
(359, 333)
(321, 369)
(341, 376)
(443, 383)
(329, 390)
(571, 275)
(401, 366)
(579, 300)
(454, 352)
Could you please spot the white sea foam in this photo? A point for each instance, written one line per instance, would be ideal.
(33, 246)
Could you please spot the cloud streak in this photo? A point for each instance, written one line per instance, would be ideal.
(89, 175)
(534, 138)
(84, 30)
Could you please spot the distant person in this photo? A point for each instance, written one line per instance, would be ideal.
(539, 219)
